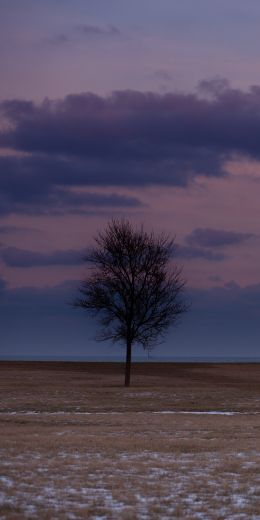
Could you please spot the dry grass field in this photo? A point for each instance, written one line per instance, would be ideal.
(182, 442)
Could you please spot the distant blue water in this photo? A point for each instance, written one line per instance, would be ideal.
(136, 359)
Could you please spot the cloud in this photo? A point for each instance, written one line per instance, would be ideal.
(6, 230)
(215, 278)
(97, 31)
(58, 39)
(31, 186)
(230, 296)
(207, 237)
(3, 285)
(15, 257)
(163, 74)
(129, 138)
(214, 87)
(41, 184)
(40, 321)
(131, 123)
(88, 32)
(191, 253)
(222, 321)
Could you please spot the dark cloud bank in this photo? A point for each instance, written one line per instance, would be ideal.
(200, 244)
(127, 139)
(15, 257)
(206, 237)
(224, 322)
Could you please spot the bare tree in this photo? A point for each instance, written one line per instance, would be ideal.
(132, 287)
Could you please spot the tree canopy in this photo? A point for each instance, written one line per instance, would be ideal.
(133, 286)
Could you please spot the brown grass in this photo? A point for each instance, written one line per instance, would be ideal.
(75, 444)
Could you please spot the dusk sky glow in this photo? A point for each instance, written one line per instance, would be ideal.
(148, 110)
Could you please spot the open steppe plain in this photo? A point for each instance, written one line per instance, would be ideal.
(182, 442)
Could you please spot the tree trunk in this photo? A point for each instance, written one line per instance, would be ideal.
(128, 362)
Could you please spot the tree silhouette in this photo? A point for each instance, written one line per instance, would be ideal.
(132, 286)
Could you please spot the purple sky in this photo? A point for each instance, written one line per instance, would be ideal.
(149, 110)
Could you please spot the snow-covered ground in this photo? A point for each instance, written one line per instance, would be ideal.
(145, 485)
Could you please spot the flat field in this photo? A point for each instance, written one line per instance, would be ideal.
(182, 442)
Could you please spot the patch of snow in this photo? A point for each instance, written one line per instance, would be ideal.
(30, 509)
(250, 464)
(194, 412)
(70, 491)
(239, 501)
(158, 472)
(71, 412)
(6, 481)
